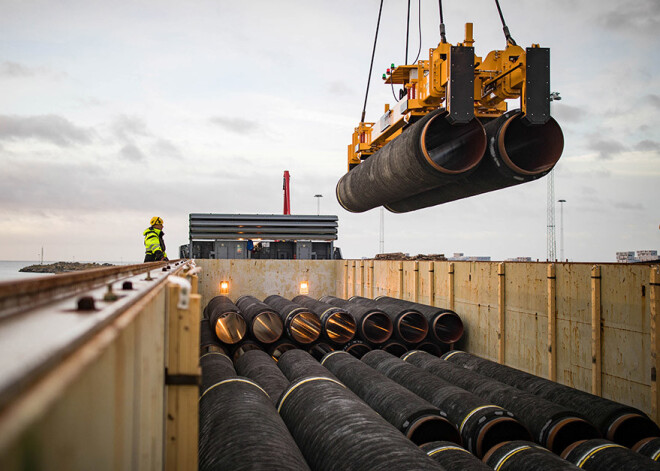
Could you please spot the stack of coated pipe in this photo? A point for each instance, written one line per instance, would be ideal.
(616, 422)
(521, 455)
(599, 454)
(260, 367)
(409, 324)
(336, 430)
(297, 364)
(373, 324)
(395, 348)
(243, 347)
(649, 447)
(416, 418)
(553, 426)
(444, 324)
(226, 320)
(216, 367)
(429, 153)
(454, 457)
(319, 350)
(482, 425)
(517, 153)
(338, 325)
(301, 324)
(208, 341)
(264, 323)
(240, 428)
(278, 348)
(357, 348)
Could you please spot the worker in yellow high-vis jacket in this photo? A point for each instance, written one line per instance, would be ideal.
(154, 244)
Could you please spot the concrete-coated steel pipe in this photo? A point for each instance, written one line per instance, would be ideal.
(409, 324)
(428, 153)
(215, 367)
(297, 364)
(522, 455)
(301, 324)
(265, 324)
(600, 455)
(516, 153)
(649, 447)
(260, 367)
(208, 341)
(338, 325)
(226, 320)
(451, 456)
(373, 324)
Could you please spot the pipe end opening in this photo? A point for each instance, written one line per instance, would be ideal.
(432, 428)
(453, 149)
(267, 327)
(377, 327)
(230, 327)
(305, 327)
(530, 150)
(569, 431)
(413, 327)
(448, 327)
(340, 327)
(498, 431)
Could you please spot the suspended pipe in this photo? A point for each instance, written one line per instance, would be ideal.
(338, 325)
(319, 350)
(265, 324)
(451, 456)
(516, 153)
(600, 454)
(617, 422)
(410, 325)
(278, 348)
(394, 348)
(444, 324)
(417, 419)
(429, 153)
(226, 320)
(302, 325)
(481, 424)
(244, 347)
(373, 324)
(240, 429)
(208, 341)
(525, 456)
(261, 368)
(649, 447)
(357, 348)
(553, 426)
(335, 430)
(298, 364)
(215, 367)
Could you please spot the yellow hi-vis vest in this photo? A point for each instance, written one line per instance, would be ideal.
(153, 241)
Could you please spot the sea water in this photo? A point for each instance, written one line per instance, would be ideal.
(9, 269)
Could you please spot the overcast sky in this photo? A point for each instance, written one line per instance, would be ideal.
(113, 112)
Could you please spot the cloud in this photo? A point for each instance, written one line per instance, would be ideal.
(15, 70)
(627, 205)
(235, 125)
(567, 113)
(653, 100)
(50, 128)
(165, 148)
(607, 148)
(133, 153)
(127, 127)
(648, 145)
(635, 16)
(337, 87)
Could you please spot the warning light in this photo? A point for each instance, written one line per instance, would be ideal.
(224, 287)
(304, 287)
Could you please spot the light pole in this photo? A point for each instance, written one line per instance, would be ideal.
(318, 204)
(561, 231)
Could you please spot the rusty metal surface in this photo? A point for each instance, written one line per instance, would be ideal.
(35, 339)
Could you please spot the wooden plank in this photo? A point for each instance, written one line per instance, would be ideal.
(501, 312)
(400, 291)
(450, 286)
(431, 283)
(362, 280)
(552, 322)
(416, 282)
(654, 296)
(596, 316)
(345, 291)
(371, 280)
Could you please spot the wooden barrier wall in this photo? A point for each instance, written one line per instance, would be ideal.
(590, 327)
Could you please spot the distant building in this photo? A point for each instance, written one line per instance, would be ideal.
(519, 259)
(642, 256)
(460, 256)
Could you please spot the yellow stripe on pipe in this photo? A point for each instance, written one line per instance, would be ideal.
(328, 355)
(451, 354)
(235, 380)
(504, 459)
(594, 451)
(435, 451)
(307, 380)
(411, 352)
(467, 417)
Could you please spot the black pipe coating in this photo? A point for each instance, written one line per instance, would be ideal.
(553, 426)
(373, 324)
(301, 324)
(444, 324)
(429, 153)
(226, 320)
(260, 367)
(410, 325)
(432, 348)
(215, 368)
(208, 341)
(265, 324)
(600, 455)
(357, 348)
(617, 422)
(649, 447)
(522, 455)
(338, 324)
(454, 457)
(278, 348)
(335, 430)
(297, 364)
(416, 418)
(319, 350)
(244, 347)
(394, 348)
(240, 430)
(516, 153)
(481, 424)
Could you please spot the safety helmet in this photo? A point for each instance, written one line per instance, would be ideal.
(155, 220)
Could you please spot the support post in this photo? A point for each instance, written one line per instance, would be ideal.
(501, 311)
(182, 381)
(362, 282)
(552, 322)
(450, 286)
(654, 298)
(354, 283)
(401, 292)
(345, 290)
(372, 281)
(416, 283)
(432, 283)
(596, 314)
